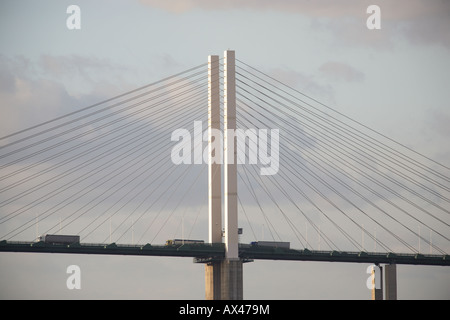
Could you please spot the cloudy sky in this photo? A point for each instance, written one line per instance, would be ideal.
(394, 80)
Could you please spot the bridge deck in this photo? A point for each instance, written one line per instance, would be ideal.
(206, 252)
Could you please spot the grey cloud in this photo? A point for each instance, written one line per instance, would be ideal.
(417, 21)
(439, 122)
(400, 9)
(341, 71)
(328, 7)
(36, 90)
(304, 82)
(74, 65)
(22, 97)
(429, 31)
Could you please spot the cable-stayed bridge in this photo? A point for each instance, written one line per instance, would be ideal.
(337, 191)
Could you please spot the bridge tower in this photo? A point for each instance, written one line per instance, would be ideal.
(213, 268)
(232, 286)
(224, 278)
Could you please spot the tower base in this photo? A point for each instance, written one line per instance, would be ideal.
(224, 280)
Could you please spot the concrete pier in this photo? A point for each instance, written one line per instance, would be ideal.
(213, 276)
(232, 280)
(390, 278)
(389, 273)
(224, 280)
(377, 283)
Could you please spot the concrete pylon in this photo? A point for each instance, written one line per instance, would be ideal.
(232, 287)
(224, 278)
(213, 269)
(232, 266)
(213, 280)
(377, 283)
(388, 273)
(390, 278)
(230, 157)
(214, 152)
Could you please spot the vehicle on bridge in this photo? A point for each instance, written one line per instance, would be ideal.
(59, 239)
(271, 244)
(176, 242)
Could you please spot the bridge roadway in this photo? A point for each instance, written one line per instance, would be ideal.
(203, 253)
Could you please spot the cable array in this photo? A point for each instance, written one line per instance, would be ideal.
(105, 168)
(104, 172)
(339, 177)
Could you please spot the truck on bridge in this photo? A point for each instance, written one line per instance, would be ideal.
(59, 239)
(271, 244)
(176, 242)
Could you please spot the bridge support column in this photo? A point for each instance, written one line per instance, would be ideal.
(377, 283)
(214, 152)
(213, 269)
(232, 280)
(390, 278)
(224, 279)
(232, 284)
(213, 276)
(230, 158)
(389, 273)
